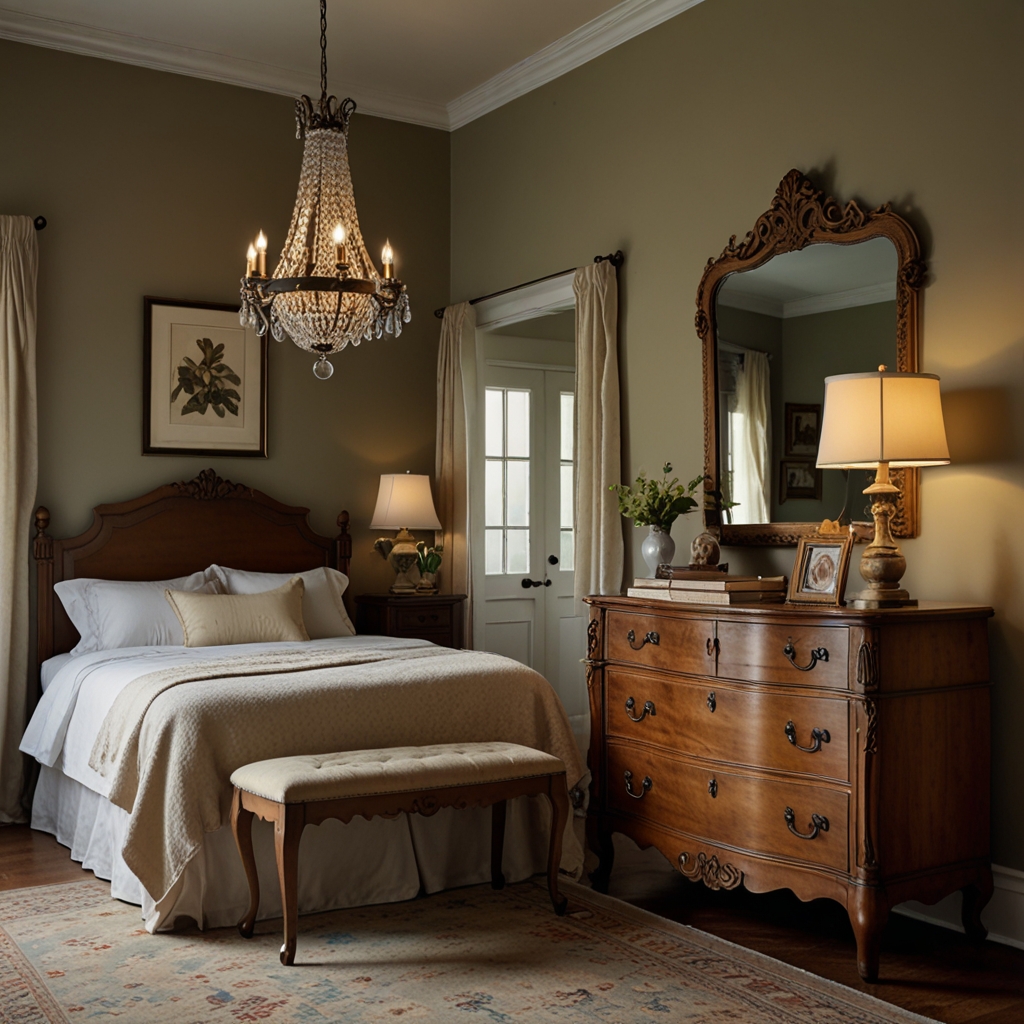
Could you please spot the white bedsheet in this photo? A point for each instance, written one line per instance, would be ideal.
(342, 865)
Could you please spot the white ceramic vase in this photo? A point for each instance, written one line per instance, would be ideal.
(658, 548)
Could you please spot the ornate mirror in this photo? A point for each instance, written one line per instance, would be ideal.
(814, 289)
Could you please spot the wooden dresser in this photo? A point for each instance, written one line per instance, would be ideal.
(833, 752)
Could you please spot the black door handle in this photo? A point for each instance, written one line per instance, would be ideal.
(552, 559)
(527, 583)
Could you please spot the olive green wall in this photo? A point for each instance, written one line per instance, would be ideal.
(153, 184)
(677, 139)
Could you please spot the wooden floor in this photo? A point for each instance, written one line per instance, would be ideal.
(927, 969)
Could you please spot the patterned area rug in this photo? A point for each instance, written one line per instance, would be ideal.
(70, 953)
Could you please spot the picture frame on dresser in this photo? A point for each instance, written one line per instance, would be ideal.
(820, 570)
(204, 381)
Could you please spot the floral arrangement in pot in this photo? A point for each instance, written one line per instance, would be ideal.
(657, 504)
(428, 561)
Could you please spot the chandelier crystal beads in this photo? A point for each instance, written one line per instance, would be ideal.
(325, 292)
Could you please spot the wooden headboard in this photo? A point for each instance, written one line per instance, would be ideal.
(177, 530)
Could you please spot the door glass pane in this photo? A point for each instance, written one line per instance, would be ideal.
(518, 556)
(565, 562)
(568, 425)
(518, 424)
(517, 494)
(493, 552)
(494, 428)
(566, 517)
(494, 498)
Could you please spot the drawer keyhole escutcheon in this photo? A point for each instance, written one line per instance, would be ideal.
(644, 786)
(713, 788)
(648, 709)
(819, 823)
(818, 654)
(712, 702)
(652, 638)
(818, 736)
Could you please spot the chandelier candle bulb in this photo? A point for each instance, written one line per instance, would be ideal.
(388, 259)
(261, 253)
(250, 261)
(338, 235)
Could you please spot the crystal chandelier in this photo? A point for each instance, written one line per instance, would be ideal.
(325, 292)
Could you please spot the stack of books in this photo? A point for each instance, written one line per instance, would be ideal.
(694, 587)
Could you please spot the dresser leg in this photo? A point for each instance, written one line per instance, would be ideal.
(869, 911)
(600, 841)
(976, 896)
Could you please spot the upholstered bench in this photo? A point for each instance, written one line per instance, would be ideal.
(293, 792)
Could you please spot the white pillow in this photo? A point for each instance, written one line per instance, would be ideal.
(323, 609)
(116, 613)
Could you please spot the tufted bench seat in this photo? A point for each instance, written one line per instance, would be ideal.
(293, 792)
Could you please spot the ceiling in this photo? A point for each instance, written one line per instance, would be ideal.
(441, 63)
(816, 279)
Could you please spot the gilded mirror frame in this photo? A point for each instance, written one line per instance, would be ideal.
(801, 215)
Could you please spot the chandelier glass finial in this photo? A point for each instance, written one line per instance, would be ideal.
(325, 292)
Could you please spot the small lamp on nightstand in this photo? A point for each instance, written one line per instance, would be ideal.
(874, 421)
(404, 503)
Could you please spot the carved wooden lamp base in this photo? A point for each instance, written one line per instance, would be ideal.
(882, 565)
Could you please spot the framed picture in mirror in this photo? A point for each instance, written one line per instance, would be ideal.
(803, 427)
(820, 570)
(799, 478)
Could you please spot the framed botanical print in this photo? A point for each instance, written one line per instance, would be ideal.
(204, 381)
(799, 478)
(820, 570)
(803, 427)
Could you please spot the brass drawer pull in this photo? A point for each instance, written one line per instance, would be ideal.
(651, 638)
(713, 788)
(644, 786)
(819, 823)
(712, 702)
(818, 654)
(714, 647)
(818, 736)
(648, 709)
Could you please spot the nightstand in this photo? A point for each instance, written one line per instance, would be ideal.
(433, 617)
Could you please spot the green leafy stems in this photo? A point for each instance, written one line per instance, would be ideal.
(206, 382)
(657, 502)
(428, 559)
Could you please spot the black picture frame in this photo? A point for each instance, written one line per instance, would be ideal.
(803, 430)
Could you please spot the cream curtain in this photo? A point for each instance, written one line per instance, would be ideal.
(598, 534)
(753, 441)
(456, 413)
(19, 261)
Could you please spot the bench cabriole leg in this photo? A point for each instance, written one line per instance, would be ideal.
(287, 833)
(241, 826)
(559, 797)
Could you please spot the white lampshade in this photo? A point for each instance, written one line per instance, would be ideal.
(404, 502)
(882, 417)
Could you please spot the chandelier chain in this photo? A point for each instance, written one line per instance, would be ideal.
(323, 52)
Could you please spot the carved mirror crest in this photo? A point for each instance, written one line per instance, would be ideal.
(816, 288)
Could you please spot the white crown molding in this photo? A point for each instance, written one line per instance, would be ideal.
(604, 33)
(763, 304)
(1004, 915)
(866, 296)
(217, 67)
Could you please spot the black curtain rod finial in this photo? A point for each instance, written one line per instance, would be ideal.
(616, 259)
(40, 223)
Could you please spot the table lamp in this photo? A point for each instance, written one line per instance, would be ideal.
(404, 503)
(874, 421)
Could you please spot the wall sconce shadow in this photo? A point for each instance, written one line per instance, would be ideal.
(980, 426)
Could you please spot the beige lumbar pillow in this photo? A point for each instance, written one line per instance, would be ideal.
(210, 620)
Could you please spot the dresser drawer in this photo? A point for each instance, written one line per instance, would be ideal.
(680, 645)
(796, 654)
(417, 619)
(766, 730)
(760, 815)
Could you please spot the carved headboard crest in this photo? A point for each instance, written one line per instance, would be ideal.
(207, 486)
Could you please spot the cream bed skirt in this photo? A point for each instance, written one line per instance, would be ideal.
(363, 862)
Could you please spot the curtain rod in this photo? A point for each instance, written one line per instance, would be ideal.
(40, 223)
(616, 259)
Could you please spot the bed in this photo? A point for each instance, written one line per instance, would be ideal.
(136, 744)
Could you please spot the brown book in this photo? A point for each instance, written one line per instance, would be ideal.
(679, 572)
(718, 597)
(730, 583)
(648, 581)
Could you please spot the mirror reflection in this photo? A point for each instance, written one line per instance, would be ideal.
(782, 329)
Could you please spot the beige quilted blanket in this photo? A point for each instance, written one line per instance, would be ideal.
(172, 738)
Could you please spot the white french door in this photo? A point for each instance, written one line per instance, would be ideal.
(527, 608)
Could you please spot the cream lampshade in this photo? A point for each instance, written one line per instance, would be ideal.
(874, 421)
(404, 503)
